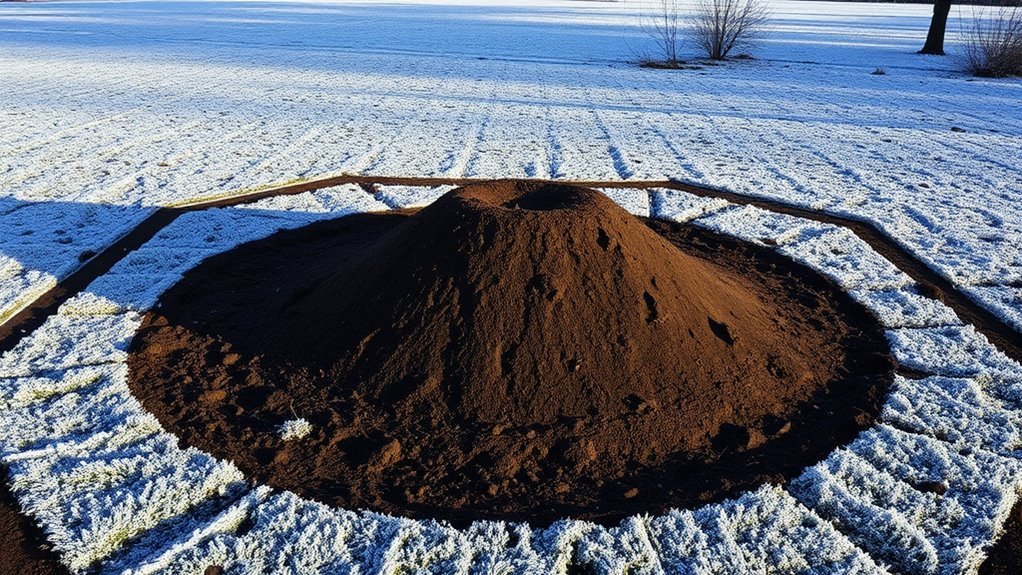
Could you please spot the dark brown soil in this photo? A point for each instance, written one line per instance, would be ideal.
(23, 548)
(1005, 557)
(516, 350)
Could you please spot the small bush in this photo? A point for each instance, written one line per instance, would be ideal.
(662, 24)
(720, 26)
(993, 42)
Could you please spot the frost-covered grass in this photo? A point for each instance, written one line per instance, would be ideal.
(136, 104)
(924, 491)
(294, 429)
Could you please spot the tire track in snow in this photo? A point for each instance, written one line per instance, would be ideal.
(555, 152)
(624, 171)
(374, 158)
(200, 149)
(465, 163)
(683, 161)
(286, 151)
(969, 148)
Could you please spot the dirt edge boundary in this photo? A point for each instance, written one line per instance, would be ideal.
(932, 283)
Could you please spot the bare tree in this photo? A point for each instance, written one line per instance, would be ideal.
(662, 24)
(720, 26)
(938, 25)
(993, 42)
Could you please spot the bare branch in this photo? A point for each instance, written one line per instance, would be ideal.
(993, 42)
(721, 26)
(662, 24)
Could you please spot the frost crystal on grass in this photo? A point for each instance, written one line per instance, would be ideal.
(294, 429)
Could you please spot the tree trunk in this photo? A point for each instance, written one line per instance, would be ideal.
(935, 38)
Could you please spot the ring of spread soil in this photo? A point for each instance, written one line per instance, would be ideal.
(514, 351)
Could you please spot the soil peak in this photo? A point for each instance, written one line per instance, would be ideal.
(526, 304)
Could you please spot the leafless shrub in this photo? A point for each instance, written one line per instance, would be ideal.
(662, 23)
(993, 42)
(720, 26)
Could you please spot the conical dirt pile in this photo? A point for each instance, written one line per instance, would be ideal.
(525, 307)
(512, 344)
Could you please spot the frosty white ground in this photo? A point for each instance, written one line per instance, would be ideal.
(114, 492)
(108, 109)
(128, 105)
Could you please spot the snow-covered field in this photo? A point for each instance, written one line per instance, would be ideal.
(109, 109)
(137, 104)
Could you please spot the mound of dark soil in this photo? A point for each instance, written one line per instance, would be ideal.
(515, 350)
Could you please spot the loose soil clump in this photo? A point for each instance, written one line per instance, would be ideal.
(516, 350)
